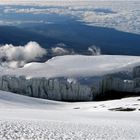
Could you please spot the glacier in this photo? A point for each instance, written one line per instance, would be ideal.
(75, 78)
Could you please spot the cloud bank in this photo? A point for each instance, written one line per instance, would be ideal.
(121, 15)
(17, 56)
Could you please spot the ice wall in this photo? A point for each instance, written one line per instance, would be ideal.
(52, 89)
(62, 90)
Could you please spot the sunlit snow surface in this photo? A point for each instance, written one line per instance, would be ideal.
(76, 66)
(24, 117)
(28, 118)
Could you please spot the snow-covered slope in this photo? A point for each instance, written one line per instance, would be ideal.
(11, 100)
(77, 66)
(28, 118)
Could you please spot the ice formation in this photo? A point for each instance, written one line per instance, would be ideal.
(74, 77)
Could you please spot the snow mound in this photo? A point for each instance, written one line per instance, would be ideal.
(29, 118)
(11, 100)
(79, 66)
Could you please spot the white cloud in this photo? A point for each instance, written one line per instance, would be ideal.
(121, 15)
(94, 50)
(19, 55)
(59, 51)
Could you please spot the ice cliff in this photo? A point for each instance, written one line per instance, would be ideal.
(84, 89)
(53, 89)
(75, 78)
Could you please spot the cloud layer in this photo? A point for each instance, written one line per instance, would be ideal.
(121, 15)
(16, 56)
